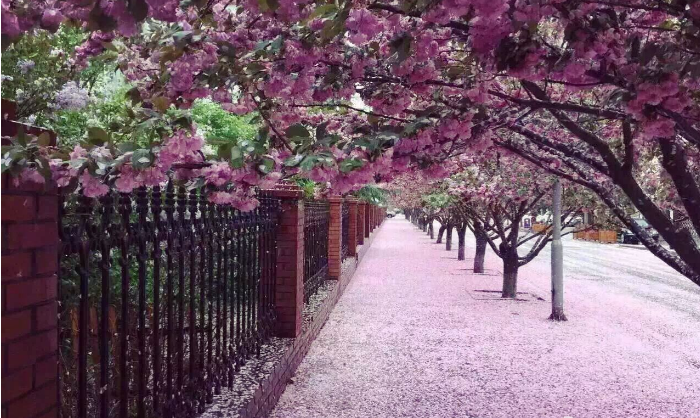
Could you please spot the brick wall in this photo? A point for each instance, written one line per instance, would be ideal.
(29, 309)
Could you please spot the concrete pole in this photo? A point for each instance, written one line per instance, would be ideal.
(557, 258)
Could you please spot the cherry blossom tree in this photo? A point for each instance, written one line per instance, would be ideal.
(602, 94)
(493, 198)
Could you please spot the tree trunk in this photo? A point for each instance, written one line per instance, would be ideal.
(461, 238)
(441, 232)
(480, 253)
(448, 239)
(510, 274)
(431, 230)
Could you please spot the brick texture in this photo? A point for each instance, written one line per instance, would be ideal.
(29, 306)
(289, 288)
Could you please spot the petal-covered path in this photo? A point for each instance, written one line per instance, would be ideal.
(418, 335)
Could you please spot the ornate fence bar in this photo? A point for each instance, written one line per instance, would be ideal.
(316, 218)
(163, 296)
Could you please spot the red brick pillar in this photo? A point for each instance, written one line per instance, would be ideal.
(29, 309)
(352, 229)
(335, 236)
(289, 287)
(362, 206)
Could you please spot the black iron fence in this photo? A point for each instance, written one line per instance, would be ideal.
(316, 218)
(163, 297)
(345, 231)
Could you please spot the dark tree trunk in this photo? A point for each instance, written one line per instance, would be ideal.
(431, 230)
(480, 253)
(448, 238)
(441, 232)
(461, 238)
(510, 273)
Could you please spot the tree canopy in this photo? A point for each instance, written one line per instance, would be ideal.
(603, 94)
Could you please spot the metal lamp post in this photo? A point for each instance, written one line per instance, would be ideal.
(557, 258)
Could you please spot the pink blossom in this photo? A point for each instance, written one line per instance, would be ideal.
(218, 174)
(29, 175)
(92, 186)
(127, 180)
(363, 22)
(78, 152)
(51, 19)
(659, 128)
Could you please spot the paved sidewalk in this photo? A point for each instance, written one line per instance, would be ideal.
(418, 335)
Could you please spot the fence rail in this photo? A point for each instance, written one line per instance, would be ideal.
(163, 297)
(316, 218)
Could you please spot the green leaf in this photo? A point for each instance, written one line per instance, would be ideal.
(97, 136)
(134, 95)
(329, 140)
(44, 139)
(237, 160)
(260, 46)
(125, 147)
(253, 68)
(266, 165)
(142, 158)
(77, 163)
(331, 29)
(308, 162)
(224, 151)
(294, 160)
(22, 138)
(350, 164)
(323, 10)
(276, 45)
(268, 5)
(297, 131)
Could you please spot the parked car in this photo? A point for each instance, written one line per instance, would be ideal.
(390, 214)
(626, 236)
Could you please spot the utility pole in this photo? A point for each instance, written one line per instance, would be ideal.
(557, 258)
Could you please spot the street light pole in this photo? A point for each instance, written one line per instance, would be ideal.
(557, 258)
